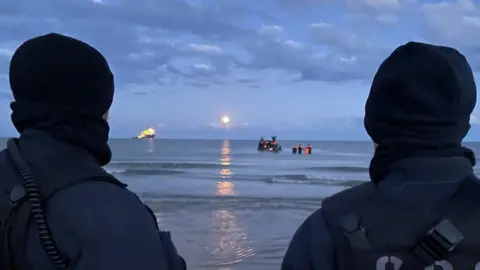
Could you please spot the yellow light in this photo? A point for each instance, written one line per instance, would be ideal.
(146, 132)
(225, 119)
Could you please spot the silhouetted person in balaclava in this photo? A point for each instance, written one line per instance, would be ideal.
(420, 209)
(60, 208)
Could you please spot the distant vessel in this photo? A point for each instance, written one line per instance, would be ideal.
(148, 133)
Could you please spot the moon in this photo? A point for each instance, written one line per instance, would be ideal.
(225, 119)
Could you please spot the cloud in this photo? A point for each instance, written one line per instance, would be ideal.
(138, 38)
(454, 23)
(203, 44)
(191, 61)
(174, 42)
(205, 48)
(338, 39)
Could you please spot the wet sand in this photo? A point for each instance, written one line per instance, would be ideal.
(232, 234)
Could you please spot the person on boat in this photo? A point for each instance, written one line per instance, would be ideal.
(60, 209)
(266, 144)
(420, 209)
(274, 145)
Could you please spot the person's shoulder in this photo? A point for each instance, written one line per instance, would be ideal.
(3, 157)
(97, 206)
(93, 192)
(111, 227)
(315, 222)
(8, 172)
(312, 245)
(348, 195)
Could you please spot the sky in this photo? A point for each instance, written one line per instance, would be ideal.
(292, 68)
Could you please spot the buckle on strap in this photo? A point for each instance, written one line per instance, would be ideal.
(354, 232)
(438, 243)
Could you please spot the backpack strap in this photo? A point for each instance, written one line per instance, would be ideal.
(355, 232)
(442, 239)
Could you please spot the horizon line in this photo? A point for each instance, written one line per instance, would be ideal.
(251, 139)
(242, 139)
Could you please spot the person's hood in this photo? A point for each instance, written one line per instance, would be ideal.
(419, 105)
(63, 87)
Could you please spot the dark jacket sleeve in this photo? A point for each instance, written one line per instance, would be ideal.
(102, 226)
(311, 247)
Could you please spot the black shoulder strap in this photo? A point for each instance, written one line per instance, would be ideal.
(445, 235)
(350, 223)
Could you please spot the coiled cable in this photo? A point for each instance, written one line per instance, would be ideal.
(32, 192)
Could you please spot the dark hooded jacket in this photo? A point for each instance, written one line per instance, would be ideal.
(417, 114)
(62, 88)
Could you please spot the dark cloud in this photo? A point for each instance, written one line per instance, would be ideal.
(178, 15)
(338, 40)
(168, 42)
(145, 41)
(136, 37)
(348, 57)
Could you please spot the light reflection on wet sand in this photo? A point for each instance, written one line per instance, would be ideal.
(228, 234)
(223, 236)
(230, 241)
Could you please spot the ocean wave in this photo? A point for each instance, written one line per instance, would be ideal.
(163, 202)
(305, 179)
(282, 179)
(143, 172)
(160, 167)
(156, 198)
(346, 169)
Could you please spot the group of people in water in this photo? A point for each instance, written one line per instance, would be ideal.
(273, 146)
(269, 145)
(418, 211)
(299, 149)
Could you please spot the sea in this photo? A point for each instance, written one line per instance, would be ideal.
(230, 207)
